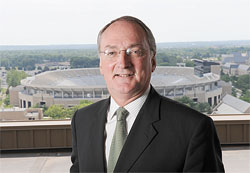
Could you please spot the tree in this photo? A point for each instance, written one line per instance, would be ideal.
(14, 77)
(83, 62)
(201, 107)
(234, 92)
(246, 96)
(189, 63)
(55, 112)
(187, 101)
(61, 112)
(225, 77)
(167, 59)
(243, 82)
(7, 100)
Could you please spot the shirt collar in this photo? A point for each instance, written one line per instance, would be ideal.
(133, 107)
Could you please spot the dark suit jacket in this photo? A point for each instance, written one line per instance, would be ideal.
(165, 137)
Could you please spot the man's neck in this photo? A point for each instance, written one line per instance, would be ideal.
(123, 100)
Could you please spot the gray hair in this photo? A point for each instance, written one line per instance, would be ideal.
(149, 35)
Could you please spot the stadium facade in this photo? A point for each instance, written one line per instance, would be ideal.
(68, 87)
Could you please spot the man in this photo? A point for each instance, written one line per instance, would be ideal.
(155, 134)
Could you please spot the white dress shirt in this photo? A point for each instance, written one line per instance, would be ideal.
(133, 108)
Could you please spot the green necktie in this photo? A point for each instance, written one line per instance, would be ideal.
(119, 138)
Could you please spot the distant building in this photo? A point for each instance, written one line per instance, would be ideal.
(3, 77)
(202, 67)
(14, 92)
(55, 65)
(181, 64)
(248, 55)
(230, 69)
(243, 69)
(21, 114)
(226, 88)
(232, 105)
(68, 87)
(235, 57)
(234, 69)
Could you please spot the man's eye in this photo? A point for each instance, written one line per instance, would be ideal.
(110, 53)
(137, 52)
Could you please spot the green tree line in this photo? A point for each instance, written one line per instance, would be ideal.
(61, 112)
(201, 107)
(83, 62)
(14, 77)
(78, 58)
(26, 59)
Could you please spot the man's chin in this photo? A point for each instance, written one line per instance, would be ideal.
(124, 90)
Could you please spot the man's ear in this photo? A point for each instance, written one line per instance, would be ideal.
(100, 66)
(153, 62)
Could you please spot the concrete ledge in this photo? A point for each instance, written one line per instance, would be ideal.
(57, 134)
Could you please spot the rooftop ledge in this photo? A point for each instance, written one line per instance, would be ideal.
(217, 117)
(51, 134)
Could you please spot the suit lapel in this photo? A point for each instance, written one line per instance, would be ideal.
(96, 140)
(141, 134)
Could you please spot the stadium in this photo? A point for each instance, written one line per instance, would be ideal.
(68, 87)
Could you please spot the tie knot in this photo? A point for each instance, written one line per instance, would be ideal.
(121, 114)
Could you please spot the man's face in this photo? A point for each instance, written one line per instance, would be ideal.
(126, 76)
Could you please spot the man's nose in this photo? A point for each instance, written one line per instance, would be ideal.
(123, 59)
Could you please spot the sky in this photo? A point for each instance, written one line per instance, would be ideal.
(50, 22)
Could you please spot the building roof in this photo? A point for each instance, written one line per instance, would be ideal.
(91, 78)
(236, 58)
(223, 83)
(17, 88)
(14, 109)
(230, 65)
(237, 54)
(226, 109)
(244, 67)
(236, 103)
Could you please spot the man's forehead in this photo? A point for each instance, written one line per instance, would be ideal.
(133, 45)
(119, 30)
(123, 24)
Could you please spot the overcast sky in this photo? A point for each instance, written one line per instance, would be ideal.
(41, 22)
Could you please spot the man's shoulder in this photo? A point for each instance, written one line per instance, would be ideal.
(179, 110)
(173, 108)
(181, 118)
(94, 106)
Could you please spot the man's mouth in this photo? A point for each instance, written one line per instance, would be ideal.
(124, 75)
